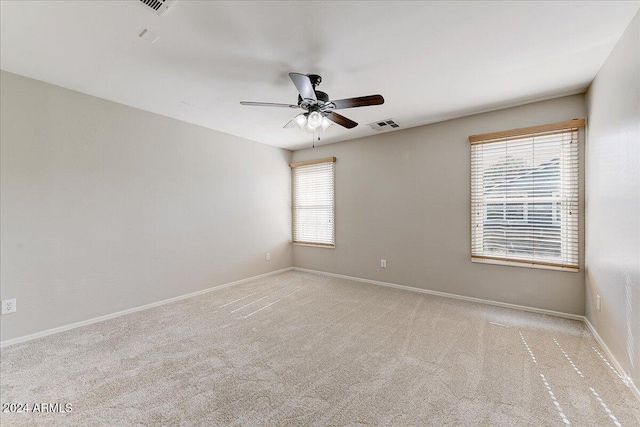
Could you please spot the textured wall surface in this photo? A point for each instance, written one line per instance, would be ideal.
(106, 207)
(405, 197)
(613, 201)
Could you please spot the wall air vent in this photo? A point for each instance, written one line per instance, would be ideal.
(159, 7)
(386, 124)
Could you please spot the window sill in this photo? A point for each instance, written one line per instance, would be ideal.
(315, 245)
(524, 264)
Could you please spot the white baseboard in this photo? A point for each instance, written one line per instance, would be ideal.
(593, 331)
(448, 295)
(625, 377)
(133, 310)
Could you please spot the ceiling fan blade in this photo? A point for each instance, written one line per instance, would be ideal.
(361, 101)
(341, 120)
(292, 124)
(267, 104)
(304, 86)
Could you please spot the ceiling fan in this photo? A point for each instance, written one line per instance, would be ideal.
(320, 111)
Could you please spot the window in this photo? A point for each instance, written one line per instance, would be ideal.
(313, 185)
(524, 195)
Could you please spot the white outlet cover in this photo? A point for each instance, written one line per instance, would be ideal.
(267, 256)
(8, 306)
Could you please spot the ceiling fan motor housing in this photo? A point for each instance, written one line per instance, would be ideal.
(321, 96)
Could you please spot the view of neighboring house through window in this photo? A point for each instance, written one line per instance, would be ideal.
(525, 196)
(313, 188)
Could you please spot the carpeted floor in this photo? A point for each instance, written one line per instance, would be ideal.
(299, 349)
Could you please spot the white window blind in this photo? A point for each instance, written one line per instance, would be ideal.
(313, 202)
(525, 196)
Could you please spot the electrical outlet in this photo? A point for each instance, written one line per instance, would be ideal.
(383, 263)
(267, 256)
(8, 306)
(598, 303)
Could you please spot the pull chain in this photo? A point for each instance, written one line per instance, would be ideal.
(316, 134)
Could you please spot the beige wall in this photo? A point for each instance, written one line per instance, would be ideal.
(405, 197)
(613, 201)
(105, 207)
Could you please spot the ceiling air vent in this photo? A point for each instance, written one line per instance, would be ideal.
(159, 7)
(386, 124)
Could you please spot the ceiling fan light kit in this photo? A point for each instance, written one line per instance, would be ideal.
(320, 110)
(310, 122)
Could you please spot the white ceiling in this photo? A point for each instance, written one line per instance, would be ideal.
(431, 61)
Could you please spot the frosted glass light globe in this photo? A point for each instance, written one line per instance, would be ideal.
(314, 120)
(300, 120)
